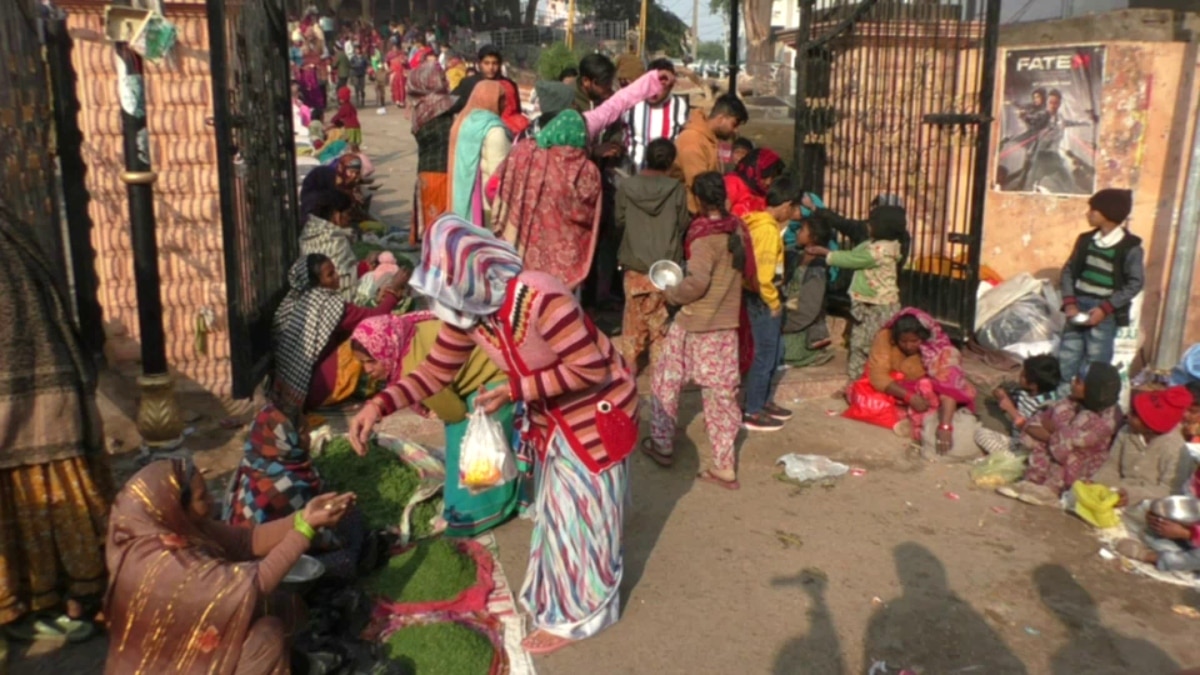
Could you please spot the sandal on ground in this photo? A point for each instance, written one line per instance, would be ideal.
(650, 449)
(540, 643)
(707, 476)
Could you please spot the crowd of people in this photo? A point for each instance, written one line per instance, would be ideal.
(523, 222)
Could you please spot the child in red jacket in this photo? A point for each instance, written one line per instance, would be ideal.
(347, 118)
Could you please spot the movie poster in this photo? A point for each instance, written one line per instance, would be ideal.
(1048, 120)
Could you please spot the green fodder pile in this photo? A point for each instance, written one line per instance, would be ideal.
(446, 648)
(431, 571)
(382, 483)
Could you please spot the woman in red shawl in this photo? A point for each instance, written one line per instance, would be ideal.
(514, 120)
(548, 200)
(187, 593)
(419, 53)
(747, 185)
(396, 63)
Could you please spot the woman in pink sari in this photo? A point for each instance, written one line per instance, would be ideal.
(396, 63)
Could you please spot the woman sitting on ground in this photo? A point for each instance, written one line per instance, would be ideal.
(314, 364)
(805, 277)
(390, 347)
(913, 362)
(277, 479)
(190, 594)
(326, 232)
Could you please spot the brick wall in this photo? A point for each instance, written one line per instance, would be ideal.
(187, 204)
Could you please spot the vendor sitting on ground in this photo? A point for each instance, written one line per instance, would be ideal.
(326, 232)
(314, 363)
(1070, 440)
(1145, 461)
(1169, 545)
(277, 479)
(912, 361)
(805, 277)
(390, 347)
(190, 594)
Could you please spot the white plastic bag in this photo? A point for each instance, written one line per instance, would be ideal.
(810, 467)
(486, 460)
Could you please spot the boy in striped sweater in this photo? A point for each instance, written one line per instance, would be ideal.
(1101, 278)
(1020, 402)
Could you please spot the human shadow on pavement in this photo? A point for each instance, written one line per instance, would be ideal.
(1092, 648)
(655, 491)
(817, 652)
(929, 628)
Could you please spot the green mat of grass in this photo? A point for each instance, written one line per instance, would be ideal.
(446, 648)
(382, 483)
(428, 572)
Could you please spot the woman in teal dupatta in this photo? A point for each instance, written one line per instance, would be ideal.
(391, 346)
(479, 142)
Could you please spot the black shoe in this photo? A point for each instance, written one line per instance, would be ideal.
(761, 422)
(781, 414)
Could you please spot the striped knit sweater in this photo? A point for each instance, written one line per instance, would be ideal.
(556, 361)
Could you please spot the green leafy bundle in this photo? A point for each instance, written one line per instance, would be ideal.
(446, 648)
(382, 483)
(428, 572)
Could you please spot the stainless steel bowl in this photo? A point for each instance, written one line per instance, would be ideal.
(1178, 508)
(664, 274)
(306, 570)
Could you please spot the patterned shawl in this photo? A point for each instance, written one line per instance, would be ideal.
(304, 322)
(276, 477)
(175, 604)
(480, 115)
(431, 93)
(387, 339)
(514, 120)
(548, 200)
(942, 360)
(465, 270)
(754, 168)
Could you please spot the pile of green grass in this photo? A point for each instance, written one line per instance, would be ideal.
(428, 572)
(382, 483)
(446, 648)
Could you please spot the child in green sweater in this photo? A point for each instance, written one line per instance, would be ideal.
(874, 289)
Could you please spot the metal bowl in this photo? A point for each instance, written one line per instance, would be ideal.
(1179, 508)
(1081, 319)
(664, 274)
(306, 570)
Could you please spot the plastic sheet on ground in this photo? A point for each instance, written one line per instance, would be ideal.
(806, 468)
(1021, 316)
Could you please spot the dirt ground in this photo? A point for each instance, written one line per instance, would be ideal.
(908, 564)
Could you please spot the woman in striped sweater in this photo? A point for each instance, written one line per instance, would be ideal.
(582, 416)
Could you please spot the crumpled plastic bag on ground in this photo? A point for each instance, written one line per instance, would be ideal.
(999, 468)
(810, 467)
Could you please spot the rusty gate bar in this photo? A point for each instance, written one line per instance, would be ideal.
(252, 117)
(896, 98)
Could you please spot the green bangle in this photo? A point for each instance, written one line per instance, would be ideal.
(303, 527)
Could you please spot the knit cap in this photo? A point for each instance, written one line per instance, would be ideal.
(1101, 386)
(1115, 205)
(1162, 410)
(554, 97)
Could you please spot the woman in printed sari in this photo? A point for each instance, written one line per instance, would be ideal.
(913, 362)
(276, 479)
(431, 124)
(582, 404)
(390, 347)
(55, 484)
(314, 365)
(548, 200)
(479, 142)
(189, 594)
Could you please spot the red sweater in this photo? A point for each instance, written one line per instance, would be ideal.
(347, 114)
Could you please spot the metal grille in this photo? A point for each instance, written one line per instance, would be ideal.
(257, 173)
(897, 99)
(27, 181)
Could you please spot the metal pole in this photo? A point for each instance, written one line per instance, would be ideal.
(800, 65)
(733, 46)
(159, 420)
(695, 31)
(642, 29)
(979, 187)
(571, 25)
(1179, 290)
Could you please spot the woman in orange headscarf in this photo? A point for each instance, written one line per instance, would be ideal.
(479, 142)
(187, 593)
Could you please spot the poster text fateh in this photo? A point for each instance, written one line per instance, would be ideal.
(1048, 120)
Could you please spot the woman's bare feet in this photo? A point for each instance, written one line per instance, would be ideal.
(541, 642)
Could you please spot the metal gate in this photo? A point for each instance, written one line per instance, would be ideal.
(252, 115)
(897, 99)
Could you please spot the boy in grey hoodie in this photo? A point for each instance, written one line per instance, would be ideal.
(652, 218)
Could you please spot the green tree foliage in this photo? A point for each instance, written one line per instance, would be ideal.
(665, 32)
(554, 60)
(712, 51)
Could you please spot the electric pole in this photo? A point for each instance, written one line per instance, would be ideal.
(695, 30)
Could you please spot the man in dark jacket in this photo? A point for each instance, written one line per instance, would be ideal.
(651, 217)
(597, 76)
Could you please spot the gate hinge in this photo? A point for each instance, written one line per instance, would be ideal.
(954, 119)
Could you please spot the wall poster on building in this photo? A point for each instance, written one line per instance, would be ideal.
(1048, 120)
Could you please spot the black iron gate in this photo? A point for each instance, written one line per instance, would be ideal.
(897, 99)
(252, 114)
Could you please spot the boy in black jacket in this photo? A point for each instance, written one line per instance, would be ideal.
(1104, 273)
